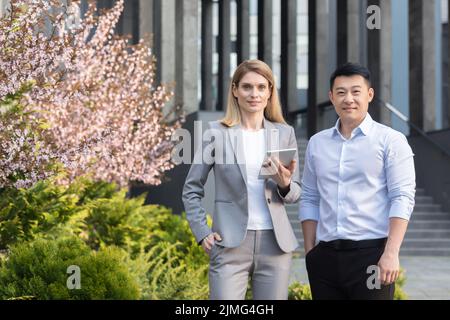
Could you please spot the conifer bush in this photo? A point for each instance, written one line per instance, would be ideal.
(38, 269)
(156, 246)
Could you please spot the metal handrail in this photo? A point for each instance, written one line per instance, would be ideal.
(405, 119)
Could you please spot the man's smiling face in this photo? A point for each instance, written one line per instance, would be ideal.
(351, 96)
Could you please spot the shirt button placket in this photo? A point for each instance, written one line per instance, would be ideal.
(340, 188)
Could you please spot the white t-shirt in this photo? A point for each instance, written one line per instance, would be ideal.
(254, 151)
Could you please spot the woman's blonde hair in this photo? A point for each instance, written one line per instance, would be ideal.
(272, 111)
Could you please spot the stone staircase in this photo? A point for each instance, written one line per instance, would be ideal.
(428, 231)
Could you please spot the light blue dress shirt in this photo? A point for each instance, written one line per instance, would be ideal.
(352, 187)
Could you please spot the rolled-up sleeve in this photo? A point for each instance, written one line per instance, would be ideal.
(309, 198)
(400, 176)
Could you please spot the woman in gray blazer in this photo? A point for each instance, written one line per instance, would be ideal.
(251, 235)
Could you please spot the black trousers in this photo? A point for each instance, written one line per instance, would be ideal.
(337, 273)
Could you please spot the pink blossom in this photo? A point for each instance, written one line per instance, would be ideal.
(92, 104)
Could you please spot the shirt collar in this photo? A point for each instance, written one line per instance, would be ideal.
(364, 127)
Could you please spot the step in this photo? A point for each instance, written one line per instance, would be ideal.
(424, 200)
(420, 192)
(426, 243)
(298, 234)
(292, 211)
(429, 224)
(428, 207)
(427, 233)
(442, 216)
(440, 252)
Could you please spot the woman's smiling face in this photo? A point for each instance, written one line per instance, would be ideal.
(252, 93)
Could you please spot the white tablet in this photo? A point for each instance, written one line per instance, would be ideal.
(285, 156)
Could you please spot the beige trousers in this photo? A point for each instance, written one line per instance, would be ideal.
(258, 258)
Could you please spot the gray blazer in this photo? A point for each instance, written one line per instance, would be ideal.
(230, 216)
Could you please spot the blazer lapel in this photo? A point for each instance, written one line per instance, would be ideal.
(235, 136)
(272, 136)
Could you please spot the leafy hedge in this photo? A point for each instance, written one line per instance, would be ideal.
(39, 269)
(148, 240)
(25, 213)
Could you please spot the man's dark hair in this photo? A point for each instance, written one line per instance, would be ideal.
(350, 69)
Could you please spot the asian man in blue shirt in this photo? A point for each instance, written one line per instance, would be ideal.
(358, 195)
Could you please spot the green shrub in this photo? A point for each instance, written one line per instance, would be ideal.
(101, 215)
(27, 212)
(399, 293)
(96, 212)
(87, 190)
(39, 210)
(174, 277)
(39, 269)
(299, 291)
(126, 223)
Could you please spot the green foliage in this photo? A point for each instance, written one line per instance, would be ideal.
(399, 294)
(299, 291)
(46, 209)
(174, 277)
(39, 269)
(162, 253)
(126, 223)
(87, 190)
(11, 102)
(27, 212)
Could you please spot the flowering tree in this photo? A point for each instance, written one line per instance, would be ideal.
(75, 94)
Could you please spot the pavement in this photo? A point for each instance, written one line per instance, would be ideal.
(427, 278)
